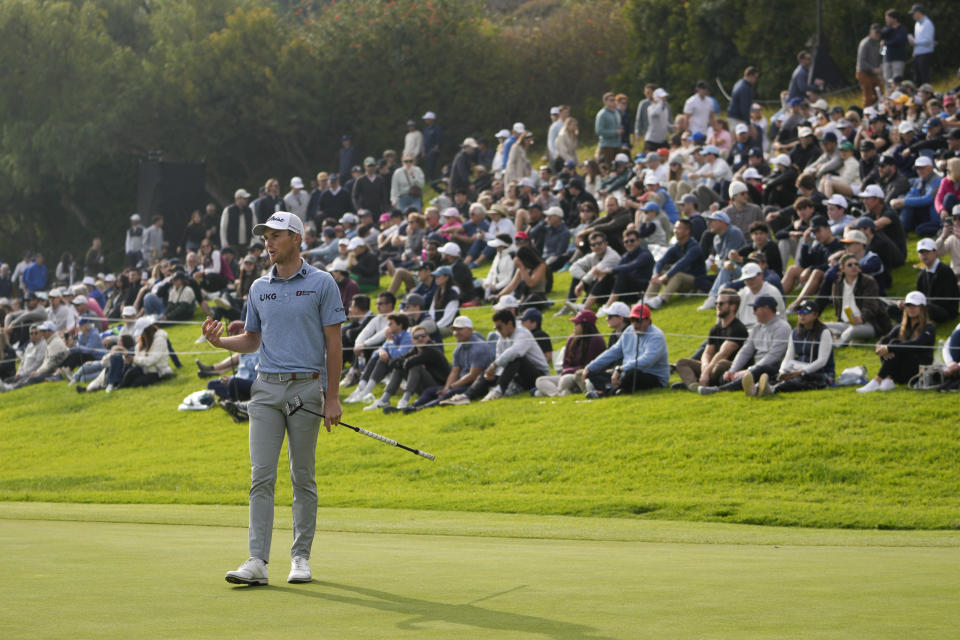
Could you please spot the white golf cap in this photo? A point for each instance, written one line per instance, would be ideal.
(803, 132)
(281, 221)
(349, 218)
(906, 127)
(339, 264)
(80, 300)
(553, 211)
(820, 104)
(871, 191)
(782, 159)
(47, 326)
(737, 188)
(142, 323)
(615, 309)
(241, 193)
(651, 178)
(554, 111)
(660, 93)
(622, 158)
(55, 293)
(89, 280)
(496, 243)
(109, 278)
(915, 298)
(838, 200)
(519, 128)
(923, 161)
(506, 302)
(128, 312)
(926, 244)
(344, 241)
(503, 133)
(469, 142)
(462, 322)
(752, 174)
(451, 212)
(429, 115)
(527, 182)
(354, 243)
(296, 182)
(750, 270)
(741, 128)
(135, 217)
(450, 249)
(853, 235)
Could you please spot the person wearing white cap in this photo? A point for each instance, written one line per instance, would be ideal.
(906, 347)
(710, 177)
(518, 165)
(937, 282)
(133, 242)
(236, 222)
(500, 155)
(462, 167)
(917, 208)
(837, 207)
(30, 359)
(502, 268)
(63, 314)
(297, 199)
(621, 173)
(462, 276)
(885, 219)
(55, 352)
(412, 142)
(559, 115)
(432, 139)
(856, 244)
(657, 129)
(363, 265)
(406, 185)
(780, 188)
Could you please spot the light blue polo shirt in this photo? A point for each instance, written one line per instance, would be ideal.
(289, 314)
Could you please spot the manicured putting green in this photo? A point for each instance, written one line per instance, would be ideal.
(96, 579)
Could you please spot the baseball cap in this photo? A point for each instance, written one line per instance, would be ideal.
(819, 221)
(521, 235)
(554, 111)
(864, 223)
(651, 206)
(450, 249)
(750, 270)
(136, 217)
(926, 244)
(496, 243)
(719, 215)
(829, 136)
(923, 161)
(349, 218)
(915, 298)
(741, 128)
(339, 264)
(442, 271)
(711, 149)
(737, 188)
(109, 278)
(846, 145)
(354, 243)
(852, 235)
(344, 242)
(803, 132)
(751, 174)
(519, 128)
(296, 182)
(469, 142)
(369, 161)
(506, 302)
(866, 145)
(838, 200)
(532, 314)
(615, 309)
(698, 137)
(887, 159)
(281, 221)
(906, 127)
(128, 312)
(80, 300)
(660, 93)
(552, 211)
(384, 217)
(934, 122)
(142, 323)
(871, 191)
(415, 299)
(640, 310)
(429, 115)
(451, 212)
(622, 158)
(239, 193)
(755, 152)
(584, 315)
(807, 306)
(47, 326)
(462, 322)
(820, 104)
(89, 281)
(651, 178)
(689, 197)
(765, 301)
(782, 160)
(436, 238)
(503, 133)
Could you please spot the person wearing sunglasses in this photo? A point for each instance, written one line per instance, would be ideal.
(422, 367)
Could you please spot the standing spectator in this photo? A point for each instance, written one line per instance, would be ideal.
(6, 281)
(462, 167)
(568, 139)
(608, 128)
(413, 141)
(432, 140)
(742, 97)
(518, 165)
(923, 40)
(561, 114)
(35, 276)
(699, 109)
(406, 188)
(641, 121)
(93, 263)
(370, 191)
(296, 200)
(658, 122)
(133, 245)
(870, 66)
(895, 42)
(621, 101)
(236, 222)
(193, 234)
(153, 241)
(907, 346)
(335, 201)
(800, 80)
(270, 202)
(347, 157)
(67, 270)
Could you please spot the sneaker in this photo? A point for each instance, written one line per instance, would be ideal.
(592, 395)
(65, 373)
(748, 385)
(201, 366)
(706, 391)
(253, 571)
(455, 401)
(678, 386)
(80, 388)
(379, 404)
(870, 387)
(353, 397)
(655, 303)
(563, 311)
(887, 385)
(388, 410)
(109, 388)
(408, 410)
(350, 378)
(367, 398)
(493, 394)
(403, 404)
(763, 387)
(708, 304)
(299, 570)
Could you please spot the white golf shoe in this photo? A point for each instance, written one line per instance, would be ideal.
(253, 572)
(299, 570)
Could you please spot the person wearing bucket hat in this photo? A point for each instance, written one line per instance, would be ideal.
(642, 354)
(906, 347)
(581, 348)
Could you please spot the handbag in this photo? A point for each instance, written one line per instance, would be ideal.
(930, 376)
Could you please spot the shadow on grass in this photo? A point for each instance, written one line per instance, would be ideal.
(423, 611)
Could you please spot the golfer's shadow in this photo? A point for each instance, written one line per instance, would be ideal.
(465, 614)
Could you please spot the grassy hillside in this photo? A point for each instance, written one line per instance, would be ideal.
(823, 459)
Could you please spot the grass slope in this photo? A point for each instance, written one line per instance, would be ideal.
(824, 459)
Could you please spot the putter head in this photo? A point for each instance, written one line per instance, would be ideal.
(293, 405)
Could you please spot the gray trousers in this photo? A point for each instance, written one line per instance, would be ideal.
(268, 425)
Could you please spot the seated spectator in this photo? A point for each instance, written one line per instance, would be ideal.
(951, 362)
(529, 282)
(471, 235)
(808, 362)
(54, 354)
(32, 358)
(907, 346)
(358, 317)
(650, 229)
(631, 275)
(462, 275)
(948, 194)
(422, 367)
(87, 347)
(445, 303)
(917, 210)
(937, 282)
(16, 324)
(741, 212)
(123, 347)
(181, 300)
(518, 362)
(856, 298)
(347, 286)
(582, 347)
(837, 207)
(593, 273)
(642, 353)
(397, 343)
(761, 353)
(725, 339)
(236, 387)
(364, 268)
(556, 245)
(682, 268)
(375, 333)
(948, 242)
(502, 269)
(532, 320)
(726, 239)
(62, 313)
(814, 260)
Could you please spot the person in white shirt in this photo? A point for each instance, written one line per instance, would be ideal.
(756, 287)
(153, 241)
(699, 110)
(413, 141)
(297, 199)
(923, 41)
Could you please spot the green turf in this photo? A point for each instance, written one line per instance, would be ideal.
(427, 575)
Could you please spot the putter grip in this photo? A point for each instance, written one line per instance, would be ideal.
(428, 456)
(376, 436)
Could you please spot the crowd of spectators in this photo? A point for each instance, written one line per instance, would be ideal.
(814, 205)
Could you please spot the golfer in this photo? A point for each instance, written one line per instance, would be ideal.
(293, 321)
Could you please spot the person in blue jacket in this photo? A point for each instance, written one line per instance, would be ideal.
(682, 268)
(917, 211)
(642, 354)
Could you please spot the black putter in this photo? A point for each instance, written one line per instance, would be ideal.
(296, 403)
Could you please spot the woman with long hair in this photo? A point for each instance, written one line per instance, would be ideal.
(907, 346)
(67, 270)
(567, 141)
(948, 195)
(529, 283)
(445, 303)
(592, 176)
(583, 345)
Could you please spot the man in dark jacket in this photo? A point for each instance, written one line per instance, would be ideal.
(370, 191)
(462, 167)
(938, 283)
